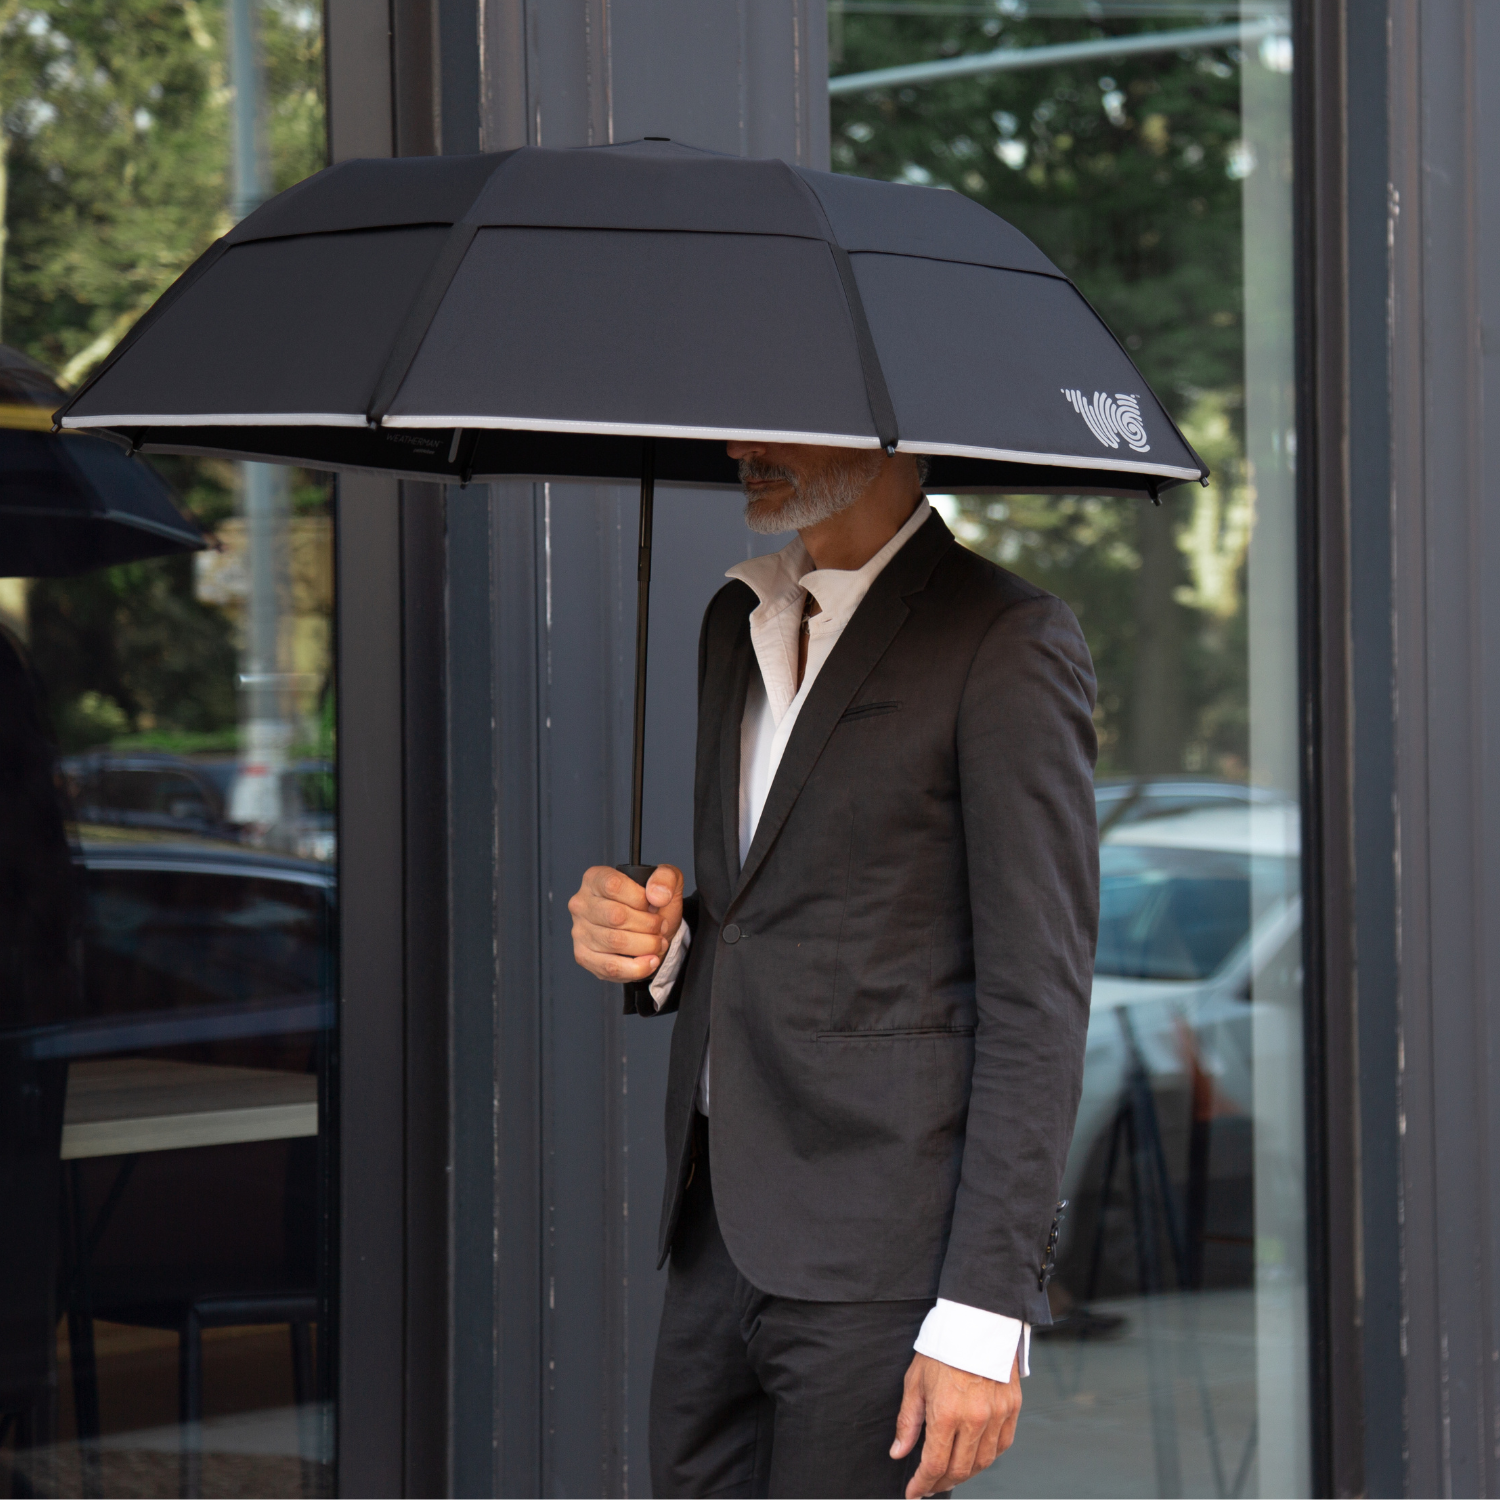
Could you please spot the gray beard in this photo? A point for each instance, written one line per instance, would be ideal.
(834, 490)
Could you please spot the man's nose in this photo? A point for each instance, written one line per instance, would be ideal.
(737, 451)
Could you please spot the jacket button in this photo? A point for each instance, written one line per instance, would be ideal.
(731, 933)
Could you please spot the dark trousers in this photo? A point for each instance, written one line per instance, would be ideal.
(761, 1395)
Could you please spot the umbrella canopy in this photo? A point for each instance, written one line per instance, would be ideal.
(540, 312)
(618, 312)
(73, 503)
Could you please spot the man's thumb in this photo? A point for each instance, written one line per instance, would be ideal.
(664, 885)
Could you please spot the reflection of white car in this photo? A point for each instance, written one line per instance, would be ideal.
(1199, 913)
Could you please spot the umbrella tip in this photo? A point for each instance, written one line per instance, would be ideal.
(656, 138)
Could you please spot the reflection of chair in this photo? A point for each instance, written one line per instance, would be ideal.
(254, 1264)
(1216, 1131)
(187, 1310)
(31, 1113)
(1152, 1198)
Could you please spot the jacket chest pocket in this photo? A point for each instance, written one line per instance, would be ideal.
(863, 711)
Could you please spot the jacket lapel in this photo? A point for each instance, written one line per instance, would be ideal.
(742, 663)
(865, 640)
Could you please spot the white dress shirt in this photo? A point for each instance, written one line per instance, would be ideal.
(968, 1338)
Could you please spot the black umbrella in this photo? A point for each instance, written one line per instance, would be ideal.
(72, 503)
(618, 312)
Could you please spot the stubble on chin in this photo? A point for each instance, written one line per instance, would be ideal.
(764, 517)
(814, 498)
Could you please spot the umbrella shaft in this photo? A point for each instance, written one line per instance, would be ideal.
(642, 633)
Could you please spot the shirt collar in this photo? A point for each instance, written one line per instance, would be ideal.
(782, 578)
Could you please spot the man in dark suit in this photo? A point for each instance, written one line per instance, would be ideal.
(882, 986)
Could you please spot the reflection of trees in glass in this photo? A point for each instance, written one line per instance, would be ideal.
(1126, 172)
(116, 123)
(116, 133)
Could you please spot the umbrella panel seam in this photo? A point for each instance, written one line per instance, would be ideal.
(753, 234)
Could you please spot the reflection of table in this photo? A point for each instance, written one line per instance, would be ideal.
(123, 1105)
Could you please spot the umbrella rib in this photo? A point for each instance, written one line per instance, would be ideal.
(119, 517)
(425, 306)
(882, 410)
(160, 528)
(147, 319)
(419, 319)
(877, 393)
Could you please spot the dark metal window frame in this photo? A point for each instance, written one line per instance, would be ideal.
(1342, 93)
(390, 93)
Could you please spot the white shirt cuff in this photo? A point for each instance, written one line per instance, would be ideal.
(671, 964)
(968, 1338)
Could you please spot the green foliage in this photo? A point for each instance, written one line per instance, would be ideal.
(116, 165)
(1125, 172)
(116, 118)
(1121, 170)
(1083, 549)
(117, 131)
(130, 649)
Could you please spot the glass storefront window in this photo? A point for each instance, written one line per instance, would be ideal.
(1157, 176)
(167, 797)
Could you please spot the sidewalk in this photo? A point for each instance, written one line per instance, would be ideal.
(1174, 1392)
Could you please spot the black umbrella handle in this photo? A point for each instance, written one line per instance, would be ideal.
(638, 996)
(638, 1001)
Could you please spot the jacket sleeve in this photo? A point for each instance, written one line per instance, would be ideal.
(1026, 751)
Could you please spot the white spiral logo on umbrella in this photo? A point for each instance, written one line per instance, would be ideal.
(1111, 418)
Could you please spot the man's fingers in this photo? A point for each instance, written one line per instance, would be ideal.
(989, 1445)
(612, 940)
(909, 1418)
(611, 885)
(618, 935)
(962, 1458)
(935, 1450)
(617, 970)
(1012, 1415)
(664, 886)
(599, 912)
(1008, 1429)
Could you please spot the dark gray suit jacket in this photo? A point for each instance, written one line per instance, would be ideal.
(896, 984)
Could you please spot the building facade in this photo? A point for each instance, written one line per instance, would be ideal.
(357, 1173)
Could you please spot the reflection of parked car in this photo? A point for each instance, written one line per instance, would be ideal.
(306, 824)
(1200, 922)
(197, 942)
(1129, 800)
(144, 789)
(172, 794)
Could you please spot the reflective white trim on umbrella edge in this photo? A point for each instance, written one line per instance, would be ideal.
(640, 429)
(232, 419)
(769, 435)
(1061, 460)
